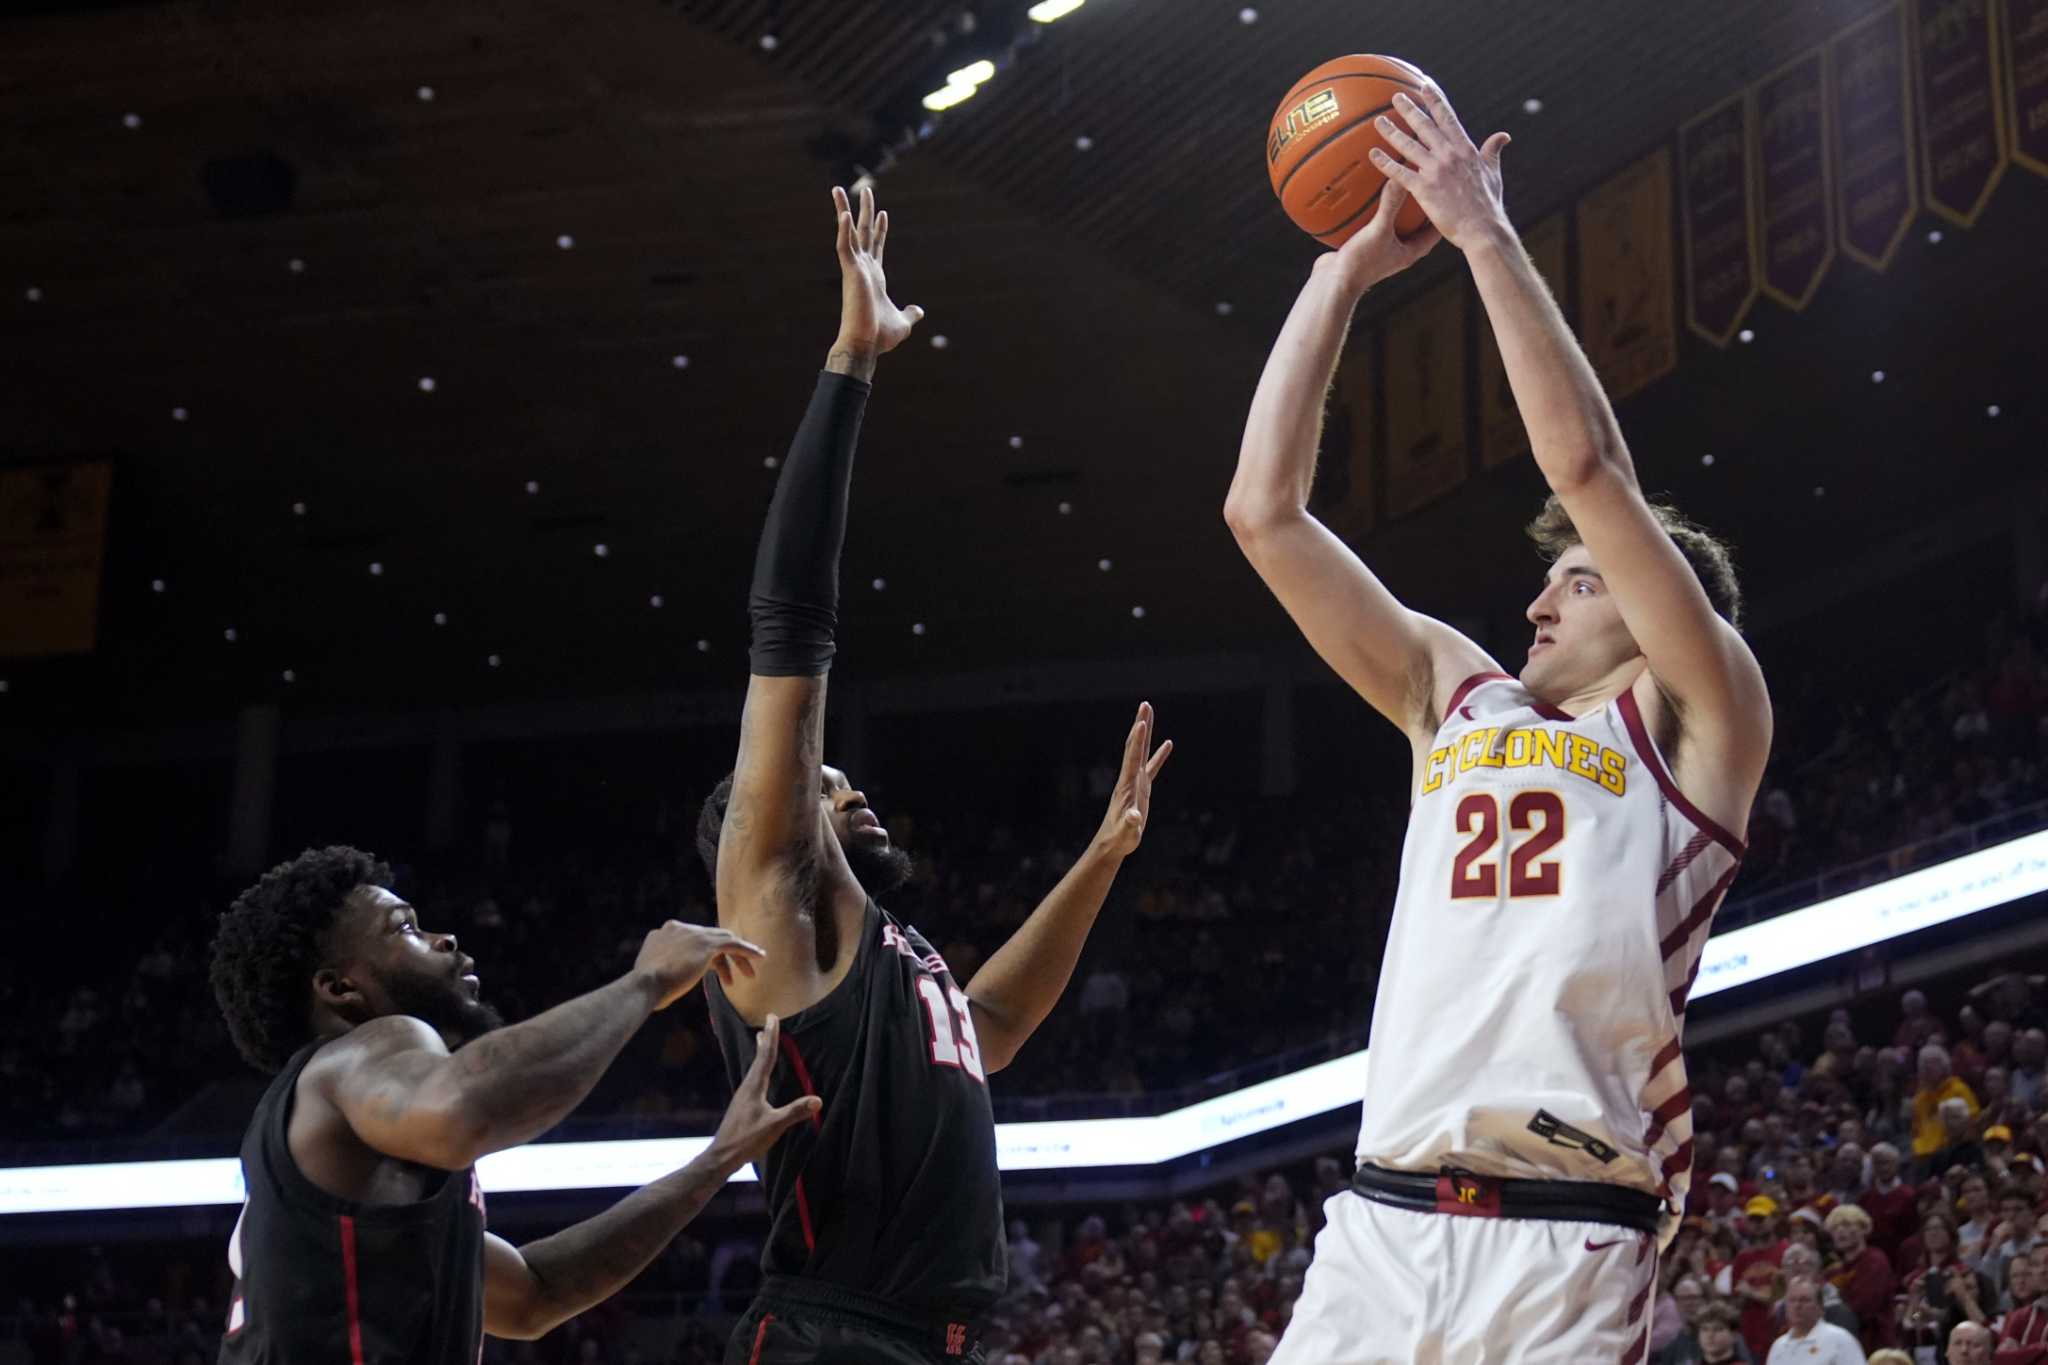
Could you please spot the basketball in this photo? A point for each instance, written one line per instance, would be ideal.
(1319, 148)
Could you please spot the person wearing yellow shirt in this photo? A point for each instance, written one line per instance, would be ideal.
(1938, 1082)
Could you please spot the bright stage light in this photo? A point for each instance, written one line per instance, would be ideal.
(1048, 10)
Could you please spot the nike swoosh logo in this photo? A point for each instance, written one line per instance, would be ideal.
(1592, 1245)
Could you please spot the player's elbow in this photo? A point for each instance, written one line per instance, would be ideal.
(1253, 517)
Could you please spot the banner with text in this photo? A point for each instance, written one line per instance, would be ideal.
(1795, 186)
(1873, 118)
(1717, 220)
(1962, 114)
(53, 539)
(1627, 320)
(1502, 436)
(1425, 397)
(2024, 46)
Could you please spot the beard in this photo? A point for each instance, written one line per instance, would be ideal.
(444, 1006)
(879, 869)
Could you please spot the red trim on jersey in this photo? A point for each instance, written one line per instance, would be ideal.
(1632, 717)
(1680, 1158)
(1635, 1352)
(1666, 1055)
(1701, 912)
(803, 1211)
(1463, 688)
(1700, 843)
(759, 1337)
(1661, 1116)
(803, 1077)
(1549, 712)
(348, 1268)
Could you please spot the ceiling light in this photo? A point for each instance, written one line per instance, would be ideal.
(1138, 612)
(772, 462)
(229, 635)
(939, 101)
(1991, 411)
(1532, 106)
(565, 241)
(1934, 236)
(426, 383)
(298, 509)
(703, 646)
(917, 628)
(1066, 509)
(974, 73)
(440, 618)
(1084, 143)
(1819, 492)
(1223, 308)
(1104, 565)
(156, 585)
(655, 601)
(1016, 443)
(1745, 336)
(3, 687)
(533, 486)
(939, 342)
(681, 362)
(179, 414)
(880, 584)
(1707, 460)
(1046, 11)
(131, 121)
(296, 266)
(376, 569)
(492, 661)
(769, 42)
(291, 675)
(1877, 376)
(601, 550)
(425, 93)
(33, 294)
(1247, 15)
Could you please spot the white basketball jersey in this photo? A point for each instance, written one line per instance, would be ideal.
(1556, 889)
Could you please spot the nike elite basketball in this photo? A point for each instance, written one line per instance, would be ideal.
(1319, 149)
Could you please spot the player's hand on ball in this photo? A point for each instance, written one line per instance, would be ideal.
(869, 324)
(1130, 805)
(1377, 251)
(751, 1125)
(677, 955)
(1457, 184)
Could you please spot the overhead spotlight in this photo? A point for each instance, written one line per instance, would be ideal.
(298, 509)
(1016, 443)
(772, 462)
(601, 550)
(1084, 143)
(1223, 308)
(769, 42)
(1104, 565)
(156, 585)
(426, 383)
(880, 584)
(565, 241)
(917, 628)
(440, 618)
(681, 362)
(939, 101)
(703, 646)
(1819, 492)
(1991, 411)
(296, 266)
(960, 85)
(291, 675)
(1247, 15)
(131, 121)
(229, 635)
(32, 294)
(655, 601)
(376, 569)
(425, 93)
(939, 342)
(492, 660)
(1745, 336)
(1877, 376)
(1047, 11)
(1707, 460)
(1532, 106)
(1066, 509)
(532, 486)
(1934, 236)
(179, 414)
(3, 687)
(1138, 612)
(974, 73)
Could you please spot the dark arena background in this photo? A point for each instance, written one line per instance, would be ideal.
(393, 396)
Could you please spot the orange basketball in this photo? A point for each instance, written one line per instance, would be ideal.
(1318, 150)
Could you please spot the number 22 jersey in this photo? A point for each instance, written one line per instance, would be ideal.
(892, 1190)
(1556, 892)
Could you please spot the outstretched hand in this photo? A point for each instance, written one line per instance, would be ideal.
(1457, 184)
(751, 1124)
(869, 324)
(1130, 805)
(1377, 251)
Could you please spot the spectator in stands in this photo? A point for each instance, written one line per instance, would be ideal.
(2026, 1324)
(1916, 1025)
(1862, 1274)
(1713, 1341)
(1959, 1147)
(2013, 1236)
(2029, 1054)
(1753, 1276)
(1802, 1262)
(1889, 1201)
(1845, 1171)
(1688, 1298)
(1973, 1198)
(1941, 1291)
(1969, 1344)
(1937, 1082)
(1807, 1337)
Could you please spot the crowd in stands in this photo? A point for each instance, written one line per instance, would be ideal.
(110, 1041)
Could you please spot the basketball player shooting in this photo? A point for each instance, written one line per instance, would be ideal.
(1526, 1140)
(362, 1238)
(886, 1242)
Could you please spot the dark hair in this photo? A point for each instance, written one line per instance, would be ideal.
(1719, 1314)
(268, 947)
(710, 821)
(1711, 561)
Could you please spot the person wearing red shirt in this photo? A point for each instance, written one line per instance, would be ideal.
(1863, 1276)
(1753, 1279)
(2026, 1326)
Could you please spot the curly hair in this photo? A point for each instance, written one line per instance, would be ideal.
(711, 822)
(268, 946)
(1711, 561)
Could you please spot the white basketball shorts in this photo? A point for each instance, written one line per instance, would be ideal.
(1393, 1287)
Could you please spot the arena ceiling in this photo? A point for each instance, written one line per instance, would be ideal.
(253, 232)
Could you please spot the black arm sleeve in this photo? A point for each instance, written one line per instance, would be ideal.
(794, 602)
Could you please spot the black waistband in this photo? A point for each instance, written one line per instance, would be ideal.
(951, 1336)
(1475, 1196)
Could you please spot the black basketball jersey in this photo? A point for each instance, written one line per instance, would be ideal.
(326, 1281)
(892, 1189)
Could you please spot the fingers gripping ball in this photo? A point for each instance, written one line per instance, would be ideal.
(1319, 147)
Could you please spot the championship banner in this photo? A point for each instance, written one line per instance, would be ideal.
(1502, 436)
(1718, 221)
(53, 536)
(1962, 114)
(1425, 397)
(1873, 138)
(1342, 498)
(1626, 319)
(2024, 46)
(1795, 179)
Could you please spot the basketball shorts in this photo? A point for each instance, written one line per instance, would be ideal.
(800, 1322)
(1398, 1286)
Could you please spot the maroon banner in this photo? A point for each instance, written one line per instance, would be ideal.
(2025, 49)
(1873, 111)
(1962, 115)
(1720, 236)
(1794, 178)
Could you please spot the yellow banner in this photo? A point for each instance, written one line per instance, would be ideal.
(1627, 320)
(1501, 434)
(1343, 494)
(2023, 43)
(1425, 394)
(1962, 111)
(53, 539)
